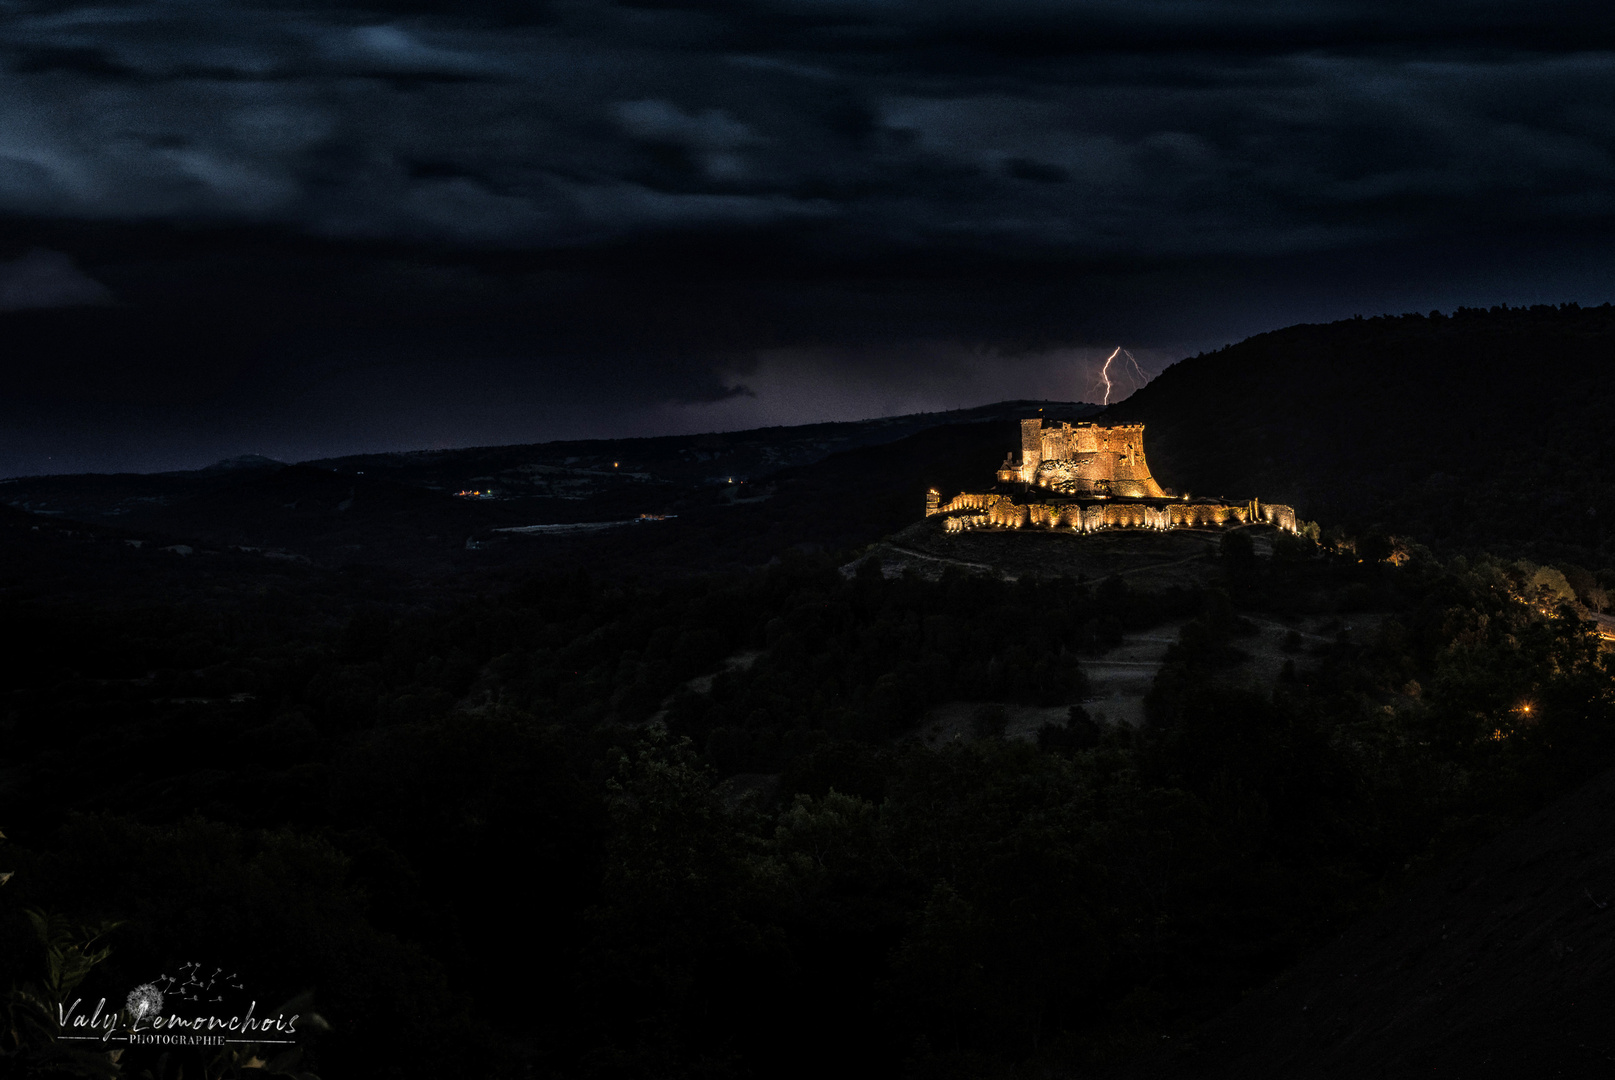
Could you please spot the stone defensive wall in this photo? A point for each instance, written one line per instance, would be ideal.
(1093, 473)
(961, 522)
(967, 501)
(1280, 516)
(1003, 512)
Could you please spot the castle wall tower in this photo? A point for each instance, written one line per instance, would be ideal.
(1031, 448)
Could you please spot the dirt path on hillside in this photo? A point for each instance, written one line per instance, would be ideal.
(1122, 677)
(1156, 567)
(1118, 681)
(941, 559)
(893, 570)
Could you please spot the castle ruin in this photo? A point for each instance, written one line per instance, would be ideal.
(1086, 477)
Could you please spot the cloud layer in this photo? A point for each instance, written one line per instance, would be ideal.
(321, 228)
(1091, 129)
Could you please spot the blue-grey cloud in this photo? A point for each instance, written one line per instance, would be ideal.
(1084, 129)
(47, 279)
(339, 226)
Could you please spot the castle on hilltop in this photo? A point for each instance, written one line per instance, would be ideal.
(1087, 477)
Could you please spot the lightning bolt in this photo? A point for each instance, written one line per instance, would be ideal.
(1143, 376)
(1130, 362)
(1104, 372)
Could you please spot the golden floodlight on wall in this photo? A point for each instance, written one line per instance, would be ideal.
(1077, 460)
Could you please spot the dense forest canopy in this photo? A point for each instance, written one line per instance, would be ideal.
(497, 837)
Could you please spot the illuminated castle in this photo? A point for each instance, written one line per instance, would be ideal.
(1088, 477)
(1083, 459)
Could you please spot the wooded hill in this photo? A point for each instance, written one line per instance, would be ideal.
(1478, 429)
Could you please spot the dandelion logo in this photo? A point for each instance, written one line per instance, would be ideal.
(144, 1001)
(183, 1010)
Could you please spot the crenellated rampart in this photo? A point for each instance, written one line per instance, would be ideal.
(1004, 512)
(961, 522)
(967, 501)
(1092, 477)
(1083, 459)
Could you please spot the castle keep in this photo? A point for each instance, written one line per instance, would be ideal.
(1087, 477)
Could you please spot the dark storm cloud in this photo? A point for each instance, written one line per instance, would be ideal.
(1086, 129)
(47, 279)
(331, 227)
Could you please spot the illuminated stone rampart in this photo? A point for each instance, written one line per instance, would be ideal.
(969, 501)
(1089, 477)
(1281, 516)
(961, 522)
(1004, 512)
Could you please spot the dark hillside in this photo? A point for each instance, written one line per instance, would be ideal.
(1485, 428)
(331, 518)
(721, 501)
(1501, 965)
(847, 500)
(570, 470)
(719, 809)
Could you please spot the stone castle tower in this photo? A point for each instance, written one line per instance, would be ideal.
(1083, 459)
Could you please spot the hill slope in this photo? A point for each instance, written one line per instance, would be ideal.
(1485, 428)
(828, 486)
(1501, 965)
(822, 486)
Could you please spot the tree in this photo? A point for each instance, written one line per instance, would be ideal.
(1375, 547)
(1236, 547)
(989, 721)
(34, 1010)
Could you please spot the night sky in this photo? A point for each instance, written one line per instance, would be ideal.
(311, 229)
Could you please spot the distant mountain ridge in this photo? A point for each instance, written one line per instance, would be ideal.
(541, 469)
(244, 461)
(1484, 430)
(720, 499)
